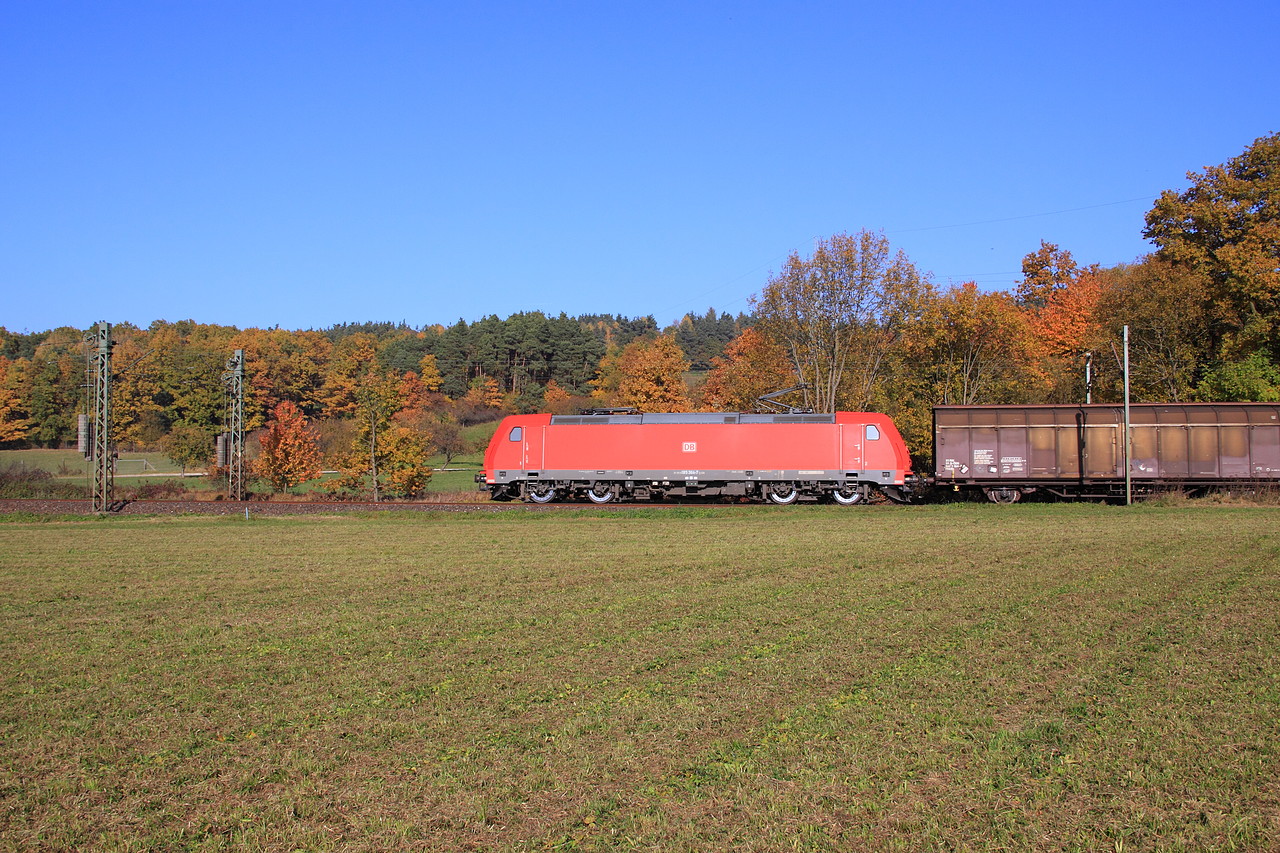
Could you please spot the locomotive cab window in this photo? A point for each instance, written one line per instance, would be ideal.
(873, 432)
(516, 433)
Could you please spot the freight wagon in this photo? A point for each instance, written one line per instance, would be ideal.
(780, 458)
(1079, 451)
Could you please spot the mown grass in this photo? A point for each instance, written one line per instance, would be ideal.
(133, 478)
(71, 463)
(959, 678)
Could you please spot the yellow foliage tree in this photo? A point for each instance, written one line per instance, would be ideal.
(429, 373)
(650, 374)
(354, 363)
(977, 347)
(13, 426)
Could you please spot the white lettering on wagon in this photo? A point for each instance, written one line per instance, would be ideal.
(1013, 465)
(690, 447)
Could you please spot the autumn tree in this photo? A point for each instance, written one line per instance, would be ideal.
(1169, 328)
(446, 436)
(182, 371)
(385, 456)
(1226, 225)
(1066, 324)
(137, 417)
(415, 394)
(50, 386)
(1045, 272)
(647, 373)
(352, 368)
(752, 365)
(429, 373)
(976, 347)
(290, 453)
(484, 393)
(404, 464)
(556, 399)
(376, 402)
(282, 365)
(13, 423)
(841, 313)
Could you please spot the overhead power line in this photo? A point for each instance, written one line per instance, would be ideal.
(777, 258)
(1016, 218)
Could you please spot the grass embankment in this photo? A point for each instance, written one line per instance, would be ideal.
(964, 678)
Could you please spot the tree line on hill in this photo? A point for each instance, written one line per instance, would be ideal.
(855, 323)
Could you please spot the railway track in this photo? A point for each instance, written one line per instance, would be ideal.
(42, 506)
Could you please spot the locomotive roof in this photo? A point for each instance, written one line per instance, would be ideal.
(692, 418)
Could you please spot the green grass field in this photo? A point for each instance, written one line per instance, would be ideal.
(135, 470)
(963, 677)
(70, 463)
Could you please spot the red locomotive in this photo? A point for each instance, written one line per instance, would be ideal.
(627, 456)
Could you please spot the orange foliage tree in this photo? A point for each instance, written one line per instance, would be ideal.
(1061, 304)
(1045, 271)
(354, 365)
(282, 365)
(753, 365)
(555, 399)
(484, 393)
(403, 462)
(1068, 323)
(290, 453)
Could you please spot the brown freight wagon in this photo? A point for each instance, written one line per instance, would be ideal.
(1078, 451)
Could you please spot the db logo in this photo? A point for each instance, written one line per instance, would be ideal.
(691, 447)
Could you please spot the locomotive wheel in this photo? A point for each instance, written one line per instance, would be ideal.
(849, 495)
(542, 493)
(600, 493)
(1003, 496)
(784, 494)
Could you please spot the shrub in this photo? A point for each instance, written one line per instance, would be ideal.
(19, 481)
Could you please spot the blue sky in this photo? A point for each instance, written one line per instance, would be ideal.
(310, 163)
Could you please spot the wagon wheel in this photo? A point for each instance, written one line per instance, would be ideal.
(542, 493)
(783, 494)
(1003, 495)
(849, 495)
(600, 493)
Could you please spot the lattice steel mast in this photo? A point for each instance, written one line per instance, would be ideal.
(233, 379)
(100, 343)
